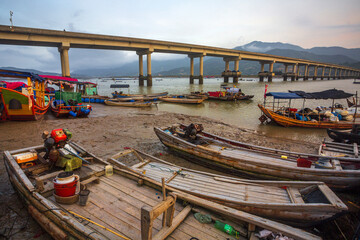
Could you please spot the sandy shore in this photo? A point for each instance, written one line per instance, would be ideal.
(105, 134)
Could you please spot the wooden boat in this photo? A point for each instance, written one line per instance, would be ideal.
(333, 149)
(291, 117)
(122, 204)
(29, 103)
(182, 99)
(296, 203)
(123, 95)
(67, 103)
(220, 95)
(260, 162)
(137, 104)
(132, 99)
(286, 121)
(348, 136)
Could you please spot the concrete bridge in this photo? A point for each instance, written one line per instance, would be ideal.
(64, 40)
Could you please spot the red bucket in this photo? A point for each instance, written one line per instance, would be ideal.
(65, 189)
(302, 162)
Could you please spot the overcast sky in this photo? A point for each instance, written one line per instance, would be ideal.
(206, 22)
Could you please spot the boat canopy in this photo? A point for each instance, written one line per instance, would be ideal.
(19, 74)
(327, 94)
(13, 85)
(58, 78)
(86, 83)
(283, 95)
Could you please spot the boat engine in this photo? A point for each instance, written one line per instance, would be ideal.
(57, 140)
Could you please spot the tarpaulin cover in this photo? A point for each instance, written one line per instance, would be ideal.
(327, 94)
(14, 85)
(18, 74)
(283, 95)
(51, 77)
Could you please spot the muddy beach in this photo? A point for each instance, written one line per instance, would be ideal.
(108, 132)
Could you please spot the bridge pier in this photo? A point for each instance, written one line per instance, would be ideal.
(148, 77)
(315, 72)
(64, 59)
(201, 68)
(234, 74)
(306, 73)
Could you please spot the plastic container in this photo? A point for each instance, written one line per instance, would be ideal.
(225, 228)
(302, 162)
(65, 184)
(84, 195)
(108, 170)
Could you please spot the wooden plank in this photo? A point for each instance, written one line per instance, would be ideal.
(123, 153)
(19, 172)
(166, 231)
(295, 195)
(141, 164)
(331, 196)
(356, 150)
(261, 222)
(89, 180)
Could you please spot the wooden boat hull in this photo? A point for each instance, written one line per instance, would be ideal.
(28, 111)
(182, 100)
(244, 97)
(128, 104)
(274, 199)
(344, 136)
(290, 122)
(122, 219)
(64, 111)
(141, 95)
(257, 164)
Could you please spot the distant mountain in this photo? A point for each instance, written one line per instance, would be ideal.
(31, 71)
(353, 53)
(262, 47)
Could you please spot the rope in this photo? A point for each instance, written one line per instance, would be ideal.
(107, 229)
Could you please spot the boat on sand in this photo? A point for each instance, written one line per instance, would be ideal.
(137, 104)
(259, 162)
(116, 203)
(297, 203)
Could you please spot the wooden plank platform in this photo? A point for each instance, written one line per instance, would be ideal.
(116, 202)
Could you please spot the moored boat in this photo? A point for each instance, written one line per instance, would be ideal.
(181, 99)
(260, 162)
(93, 210)
(348, 136)
(123, 95)
(137, 104)
(334, 149)
(333, 117)
(297, 203)
(66, 102)
(89, 92)
(24, 103)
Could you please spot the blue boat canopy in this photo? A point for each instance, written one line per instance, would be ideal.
(19, 74)
(283, 95)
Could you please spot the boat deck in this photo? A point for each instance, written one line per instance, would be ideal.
(216, 186)
(115, 202)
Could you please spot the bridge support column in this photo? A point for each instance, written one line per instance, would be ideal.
(306, 73)
(335, 74)
(295, 66)
(64, 58)
(271, 69)
(262, 69)
(141, 70)
(201, 70)
(236, 65)
(329, 76)
(315, 72)
(226, 78)
(191, 70)
(149, 76)
(323, 73)
(297, 72)
(285, 74)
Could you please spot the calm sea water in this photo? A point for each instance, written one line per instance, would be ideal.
(241, 113)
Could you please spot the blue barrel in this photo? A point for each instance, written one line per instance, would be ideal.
(74, 114)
